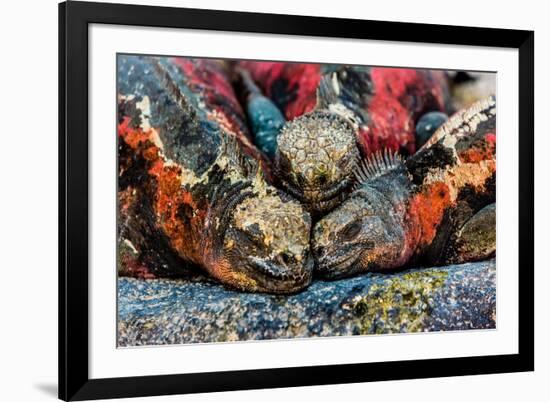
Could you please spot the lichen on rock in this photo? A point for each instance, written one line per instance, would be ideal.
(399, 304)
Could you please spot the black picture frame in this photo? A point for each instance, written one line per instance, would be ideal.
(74, 19)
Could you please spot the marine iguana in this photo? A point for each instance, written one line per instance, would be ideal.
(436, 207)
(188, 193)
(335, 114)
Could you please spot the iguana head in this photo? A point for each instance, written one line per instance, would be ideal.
(367, 232)
(316, 156)
(264, 241)
(360, 235)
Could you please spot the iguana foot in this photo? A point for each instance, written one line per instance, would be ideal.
(476, 240)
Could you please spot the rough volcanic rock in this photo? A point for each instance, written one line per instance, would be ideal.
(455, 297)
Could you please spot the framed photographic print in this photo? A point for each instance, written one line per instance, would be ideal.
(256, 200)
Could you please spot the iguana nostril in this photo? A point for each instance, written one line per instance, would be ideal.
(301, 179)
(286, 258)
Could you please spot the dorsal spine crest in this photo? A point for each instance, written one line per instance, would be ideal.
(328, 91)
(173, 91)
(375, 165)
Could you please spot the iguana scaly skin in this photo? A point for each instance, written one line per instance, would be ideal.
(187, 194)
(436, 207)
(337, 113)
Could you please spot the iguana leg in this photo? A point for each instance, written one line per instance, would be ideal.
(476, 239)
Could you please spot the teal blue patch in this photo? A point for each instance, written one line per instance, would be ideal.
(266, 121)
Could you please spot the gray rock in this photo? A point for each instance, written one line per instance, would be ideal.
(455, 297)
